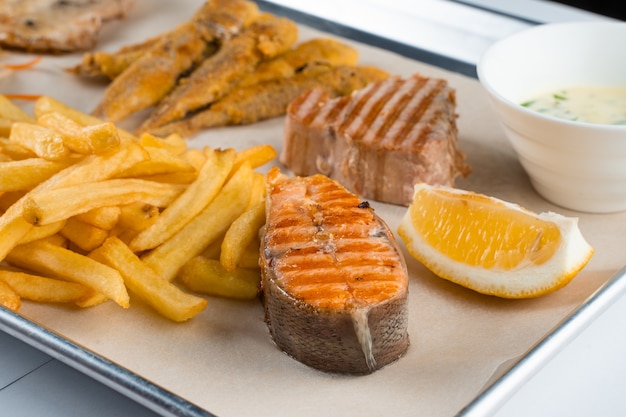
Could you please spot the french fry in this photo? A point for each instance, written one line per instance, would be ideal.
(43, 142)
(13, 151)
(98, 167)
(57, 262)
(10, 113)
(83, 235)
(85, 140)
(25, 174)
(101, 217)
(90, 169)
(208, 276)
(167, 258)
(45, 290)
(257, 191)
(47, 104)
(250, 256)
(175, 144)
(191, 202)
(240, 234)
(256, 155)
(180, 177)
(245, 229)
(7, 199)
(97, 199)
(5, 129)
(125, 235)
(62, 203)
(56, 239)
(161, 161)
(195, 157)
(137, 216)
(213, 250)
(162, 295)
(9, 298)
(43, 232)
(93, 300)
(12, 232)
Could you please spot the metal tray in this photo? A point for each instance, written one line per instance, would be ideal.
(460, 361)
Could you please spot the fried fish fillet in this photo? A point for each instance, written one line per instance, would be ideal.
(265, 38)
(271, 98)
(56, 26)
(148, 79)
(111, 65)
(315, 51)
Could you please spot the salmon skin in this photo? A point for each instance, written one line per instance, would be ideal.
(335, 284)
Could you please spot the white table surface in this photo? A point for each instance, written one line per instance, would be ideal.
(585, 378)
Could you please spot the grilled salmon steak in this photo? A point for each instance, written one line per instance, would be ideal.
(335, 285)
(379, 141)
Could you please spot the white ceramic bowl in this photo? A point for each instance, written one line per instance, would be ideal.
(580, 166)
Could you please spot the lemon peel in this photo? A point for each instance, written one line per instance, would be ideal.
(492, 246)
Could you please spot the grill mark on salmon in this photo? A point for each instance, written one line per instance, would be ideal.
(335, 286)
(379, 141)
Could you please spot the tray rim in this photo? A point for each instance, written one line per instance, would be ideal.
(167, 403)
(496, 393)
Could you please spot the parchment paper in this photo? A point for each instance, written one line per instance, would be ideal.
(224, 359)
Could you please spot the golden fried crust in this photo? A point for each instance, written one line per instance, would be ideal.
(227, 17)
(224, 17)
(316, 51)
(153, 75)
(265, 38)
(270, 99)
(113, 64)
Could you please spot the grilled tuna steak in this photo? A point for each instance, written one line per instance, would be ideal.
(379, 141)
(335, 285)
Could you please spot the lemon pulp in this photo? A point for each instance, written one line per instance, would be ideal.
(479, 231)
(492, 246)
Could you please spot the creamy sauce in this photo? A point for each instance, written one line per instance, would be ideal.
(602, 105)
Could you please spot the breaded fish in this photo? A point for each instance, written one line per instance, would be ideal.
(334, 282)
(271, 98)
(111, 65)
(148, 79)
(56, 26)
(265, 38)
(315, 51)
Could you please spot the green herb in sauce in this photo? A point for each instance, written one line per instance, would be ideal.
(604, 105)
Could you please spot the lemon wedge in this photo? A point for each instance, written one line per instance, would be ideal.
(492, 246)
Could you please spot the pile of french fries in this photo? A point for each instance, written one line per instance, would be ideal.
(91, 213)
